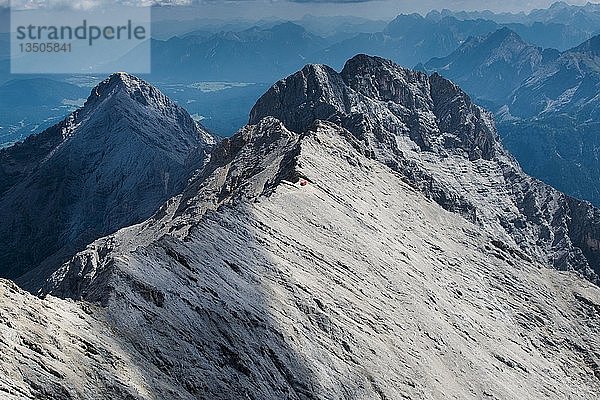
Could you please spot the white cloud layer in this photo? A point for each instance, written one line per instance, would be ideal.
(86, 4)
(409, 5)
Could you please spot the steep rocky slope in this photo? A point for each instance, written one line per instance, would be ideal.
(108, 165)
(56, 349)
(308, 260)
(570, 84)
(546, 103)
(427, 128)
(352, 286)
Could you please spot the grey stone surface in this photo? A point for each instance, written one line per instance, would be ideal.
(427, 129)
(298, 265)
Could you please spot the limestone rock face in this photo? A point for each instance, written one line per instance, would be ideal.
(57, 349)
(378, 101)
(305, 261)
(427, 129)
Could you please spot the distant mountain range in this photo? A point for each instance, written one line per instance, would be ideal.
(560, 26)
(554, 118)
(492, 66)
(501, 69)
(255, 55)
(568, 84)
(273, 51)
(586, 16)
(408, 39)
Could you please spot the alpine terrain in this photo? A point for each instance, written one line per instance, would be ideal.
(553, 121)
(109, 165)
(546, 102)
(365, 236)
(492, 66)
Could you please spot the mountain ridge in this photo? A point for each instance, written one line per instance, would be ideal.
(273, 274)
(329, 262)
(402, 117)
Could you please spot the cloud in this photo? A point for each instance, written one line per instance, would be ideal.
(86, 4)
(396, 5)
(330, 1)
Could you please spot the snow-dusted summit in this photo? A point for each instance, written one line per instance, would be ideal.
(110, 164)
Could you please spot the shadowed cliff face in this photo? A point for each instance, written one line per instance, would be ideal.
(109, 165)
(428, 129)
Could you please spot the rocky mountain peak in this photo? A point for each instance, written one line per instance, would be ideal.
(426, 128)
(288, 28)
(559, 4)
(383, 80)
(379, 102)
(315, 92)
(505, 34)
(110, 164)
(124, 82)
(503, 44)
(126, 94)
(466, 125)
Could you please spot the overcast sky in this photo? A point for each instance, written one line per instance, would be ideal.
(256, 9)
